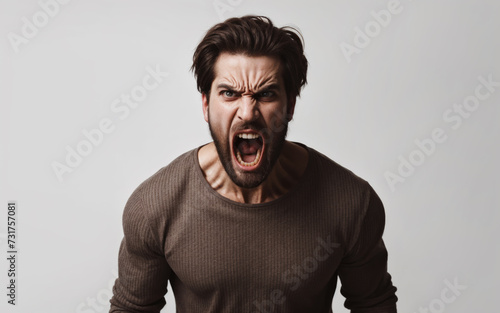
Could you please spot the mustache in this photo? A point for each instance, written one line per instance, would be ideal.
(257, 127)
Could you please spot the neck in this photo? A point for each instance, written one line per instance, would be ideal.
(287, 171)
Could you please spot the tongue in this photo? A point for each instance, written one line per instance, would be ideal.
(248, 148)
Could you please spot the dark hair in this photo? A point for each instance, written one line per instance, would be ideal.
(253, 36)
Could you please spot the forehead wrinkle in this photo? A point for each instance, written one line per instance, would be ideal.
(245, 83)
(259, 77)
(248, 74)
(232, 81)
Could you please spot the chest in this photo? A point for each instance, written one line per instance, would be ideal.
(214, 249)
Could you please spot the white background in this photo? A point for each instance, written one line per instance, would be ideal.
(442, 218)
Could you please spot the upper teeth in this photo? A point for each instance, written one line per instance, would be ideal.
(248, 136)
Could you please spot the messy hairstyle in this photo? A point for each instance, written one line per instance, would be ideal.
(252, 36)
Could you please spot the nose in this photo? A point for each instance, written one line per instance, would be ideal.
(248, 109)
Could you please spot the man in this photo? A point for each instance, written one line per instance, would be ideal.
(252, 222)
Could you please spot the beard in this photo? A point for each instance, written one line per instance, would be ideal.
(273, 143)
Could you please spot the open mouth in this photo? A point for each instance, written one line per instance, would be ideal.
(247, 149)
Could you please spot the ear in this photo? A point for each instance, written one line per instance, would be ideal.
(204, 101)
(290, 109)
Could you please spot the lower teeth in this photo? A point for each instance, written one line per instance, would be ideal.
(257, 158)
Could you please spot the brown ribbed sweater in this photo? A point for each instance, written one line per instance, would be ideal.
(280, 256)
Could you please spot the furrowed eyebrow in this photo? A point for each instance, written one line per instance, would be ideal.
(273, 86)
(225, 86)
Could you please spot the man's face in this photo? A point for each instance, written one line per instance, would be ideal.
(248, 113)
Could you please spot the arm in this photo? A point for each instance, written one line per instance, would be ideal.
(142, 269)
(366, 284)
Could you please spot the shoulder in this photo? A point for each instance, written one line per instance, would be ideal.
(337, 186)
(155, 198)
(333, 175)
(347, 199)
(172, 176)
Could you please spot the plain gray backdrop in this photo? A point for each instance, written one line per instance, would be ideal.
(398, 92)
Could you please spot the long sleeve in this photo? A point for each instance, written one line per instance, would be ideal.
(366, 284)
(142, 269)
